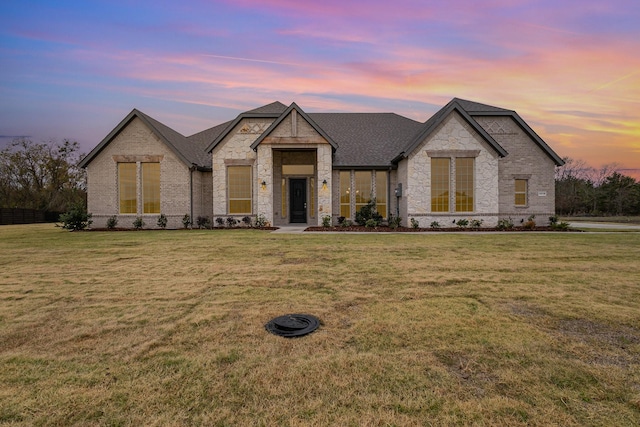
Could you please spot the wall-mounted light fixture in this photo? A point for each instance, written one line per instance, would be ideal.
(324, 184)
(264, 184)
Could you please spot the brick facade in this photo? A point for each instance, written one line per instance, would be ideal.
(268, 139)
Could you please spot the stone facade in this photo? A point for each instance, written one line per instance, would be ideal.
(273, 138)
(452, 139)
(235, 149)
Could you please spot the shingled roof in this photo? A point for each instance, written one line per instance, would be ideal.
(432, 124)
(366, 139)
(361, 140)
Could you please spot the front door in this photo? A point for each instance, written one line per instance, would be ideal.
(298, 200)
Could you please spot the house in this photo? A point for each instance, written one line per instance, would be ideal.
(468, 161)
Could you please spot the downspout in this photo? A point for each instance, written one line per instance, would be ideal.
(191, 169)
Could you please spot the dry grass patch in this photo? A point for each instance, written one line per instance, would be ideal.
(167, 328)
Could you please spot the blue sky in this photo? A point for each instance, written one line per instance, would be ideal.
(71, 69)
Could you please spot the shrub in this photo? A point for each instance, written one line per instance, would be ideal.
(434, 224)
(394, 221)
(530, 223)
(416, 224)
(186, 221)
(553, 220)
(76, 218)
(231, 221)
(203, 222)
(138, 223)
(162, 221)
(476, 223)
(246, 221)
(560, 226)
(346, 223)
(462, 223)
(112, 221)
(368, 212)
(220, 222)
(371, 223)
(326, 221)
(505, 224)
(261, 221)
(341, 220)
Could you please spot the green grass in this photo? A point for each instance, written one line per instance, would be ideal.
(167, 328)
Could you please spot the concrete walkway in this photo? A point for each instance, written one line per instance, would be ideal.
(291, 229)
(604, 225)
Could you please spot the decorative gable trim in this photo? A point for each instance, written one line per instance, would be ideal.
(121, 126)
(432, 124)
(293, 109)
(234, 123)
(525, 127)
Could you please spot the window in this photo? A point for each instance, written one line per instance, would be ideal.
(298, 169)
(464, 184)
(239, 189)
(381, 193)
(440, 172)
(521, 192)
(127, 188)
(345, 194)
(283, 189)
(151, 188)
(363, 188)
(312, 197)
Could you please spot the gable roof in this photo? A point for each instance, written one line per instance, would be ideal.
(178, 143)
(366, 139)
(302, 114)
(377, 140)
(269, 111)
(276, 107)
(476, 109)
(430, 125)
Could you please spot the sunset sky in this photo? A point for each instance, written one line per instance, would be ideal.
(570, 68)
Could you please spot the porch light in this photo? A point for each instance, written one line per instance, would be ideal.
(324, 184)
(264, 184)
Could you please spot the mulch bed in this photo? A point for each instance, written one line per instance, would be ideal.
(172, 229)
(386, 229)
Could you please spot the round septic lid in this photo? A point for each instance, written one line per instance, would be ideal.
(292, 325)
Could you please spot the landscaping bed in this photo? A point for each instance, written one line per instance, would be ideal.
(387, 229)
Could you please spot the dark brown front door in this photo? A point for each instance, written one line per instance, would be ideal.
(298, 200)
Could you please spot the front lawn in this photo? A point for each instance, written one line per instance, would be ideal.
(167, 328)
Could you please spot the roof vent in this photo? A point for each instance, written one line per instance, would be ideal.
(292, 325)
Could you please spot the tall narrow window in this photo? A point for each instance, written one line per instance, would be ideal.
(381, 192)
(312, 197)
(283, 190)
(151, 188)
(521, 192)
(239, 189)
(440, 171)
(127, 188)
(345, 194)
(363, 188)
(464, 184)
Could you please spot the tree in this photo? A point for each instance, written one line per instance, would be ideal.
(41, 176)
(620, 195)
(581, 189)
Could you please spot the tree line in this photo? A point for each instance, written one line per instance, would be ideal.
(46, 176)
(43, 176)
(584, 190)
